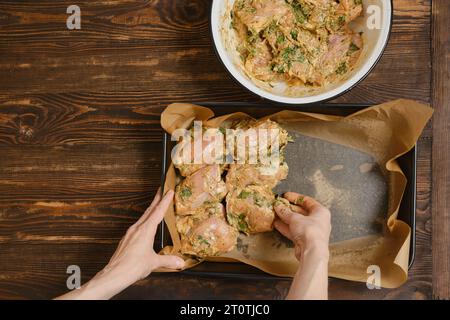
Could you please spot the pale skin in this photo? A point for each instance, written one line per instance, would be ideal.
(307, 224)
(304, 221)
(134, 258)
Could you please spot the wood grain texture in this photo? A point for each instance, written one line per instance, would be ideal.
(80, 140)
(441, 150)
(165, 48)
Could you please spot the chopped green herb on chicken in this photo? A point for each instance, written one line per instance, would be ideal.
(186, 193)
(342, 69)
(353, 48)
(244, 194)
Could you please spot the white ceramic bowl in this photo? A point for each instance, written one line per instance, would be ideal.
(375, 40)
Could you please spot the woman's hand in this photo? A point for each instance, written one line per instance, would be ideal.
(307, 223)
(134, 258)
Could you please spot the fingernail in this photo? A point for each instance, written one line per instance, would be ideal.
(180, 263)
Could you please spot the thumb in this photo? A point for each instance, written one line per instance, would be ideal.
(170, 262)
(284, 213)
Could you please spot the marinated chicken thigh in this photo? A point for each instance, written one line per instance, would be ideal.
(275, 131)
(207, 233)
(261, 135)
(250, 209)
(242, 175)
(204, 227)
(199, 190)
(211, 150)
(268, 173)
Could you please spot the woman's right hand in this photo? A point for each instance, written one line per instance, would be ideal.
(305, 222)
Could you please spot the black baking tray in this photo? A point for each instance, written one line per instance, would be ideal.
(407, 162)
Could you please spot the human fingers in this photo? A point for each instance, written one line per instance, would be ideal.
(158, 213)
(307, 203)
(283, 228)
(152, 206)
(170, 262)
(156, 200)
(298, 209)
(284, 213)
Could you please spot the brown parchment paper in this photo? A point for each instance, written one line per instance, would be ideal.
(385, 131)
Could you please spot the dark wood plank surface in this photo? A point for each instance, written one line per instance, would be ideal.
(80, 140)
(441, 155)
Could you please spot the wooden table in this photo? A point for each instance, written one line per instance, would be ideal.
(80, 139)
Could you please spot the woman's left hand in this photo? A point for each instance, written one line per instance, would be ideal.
(135, 255)
(134, 258)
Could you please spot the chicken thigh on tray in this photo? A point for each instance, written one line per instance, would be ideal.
(250, 209)
(207, 233)
(199, 190)
(204, 227)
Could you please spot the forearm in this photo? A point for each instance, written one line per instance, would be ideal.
(311, 279)
(105, 285)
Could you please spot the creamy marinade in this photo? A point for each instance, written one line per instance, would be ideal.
(302, 42)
